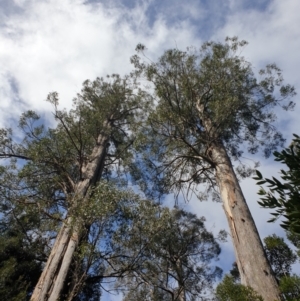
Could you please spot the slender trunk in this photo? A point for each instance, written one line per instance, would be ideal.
(253, 265)
(77, 272)
(181, 285)
(53, 277)
(181, 294)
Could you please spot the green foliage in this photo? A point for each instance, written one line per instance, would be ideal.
(205, 97)
(172, 254)
(290, 287)
(43, 167)
(228, 290)
(21, 258)
(294, 238)
(283, 195)
(235, 273)
(280, 255)
(96, 256)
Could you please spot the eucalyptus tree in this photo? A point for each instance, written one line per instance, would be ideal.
(56, 169)
(210, 108)
(173, 255)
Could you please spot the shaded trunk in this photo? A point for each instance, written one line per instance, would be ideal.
(253, 265)
(181, 285)
(53, 277)
(77, 274)
(181, 295)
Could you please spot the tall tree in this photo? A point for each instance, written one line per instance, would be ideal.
(210, 106)
(56, 169)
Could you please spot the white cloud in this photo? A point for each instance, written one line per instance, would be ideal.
(273, 36)
(56, 45)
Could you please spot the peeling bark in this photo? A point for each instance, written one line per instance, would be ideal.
(253, 265)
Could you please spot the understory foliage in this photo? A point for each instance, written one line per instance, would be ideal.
(21, 257)
(229, 290)
(282, 258)
(280, 255)
(155, 251)
(174, 256)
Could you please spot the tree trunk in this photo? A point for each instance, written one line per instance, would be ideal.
(53, 277)
(181, 285)
(253, 265)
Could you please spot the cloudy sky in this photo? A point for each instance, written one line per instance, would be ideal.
(54, 45)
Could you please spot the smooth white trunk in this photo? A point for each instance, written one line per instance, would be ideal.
(253, 265)
(180, 281)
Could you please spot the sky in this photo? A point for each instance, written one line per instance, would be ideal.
(54, 45)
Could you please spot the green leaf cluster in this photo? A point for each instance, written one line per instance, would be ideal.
(21, 256)
(281, 258)
(290, 287)
(228, 290)
(284, 195)
(173, 254)
(279, 255)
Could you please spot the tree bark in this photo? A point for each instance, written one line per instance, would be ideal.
(53, 277)
(253, 265)
(181, 286)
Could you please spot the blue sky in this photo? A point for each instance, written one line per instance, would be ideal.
(54, 45)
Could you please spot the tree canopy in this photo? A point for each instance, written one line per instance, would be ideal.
(205, 96)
